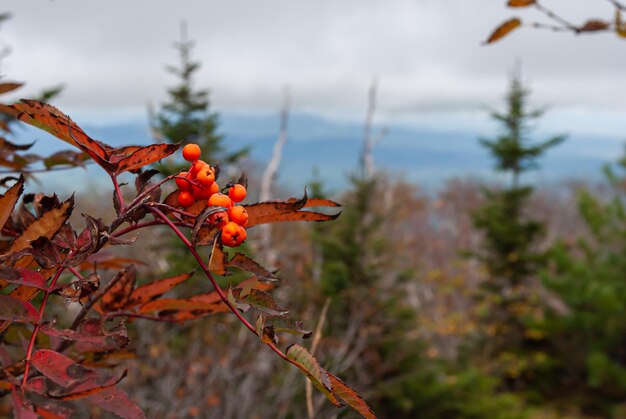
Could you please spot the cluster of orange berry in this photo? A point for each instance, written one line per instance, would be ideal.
(199, 183)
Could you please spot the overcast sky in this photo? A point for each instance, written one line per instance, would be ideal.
(427, 55)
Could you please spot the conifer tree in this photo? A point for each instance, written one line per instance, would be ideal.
(509, 253)
(187, 116)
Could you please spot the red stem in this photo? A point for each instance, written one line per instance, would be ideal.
(138, 226)
(33, 336)
(118, 192)
(210, 277)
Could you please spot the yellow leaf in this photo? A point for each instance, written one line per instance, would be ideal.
(503, 30)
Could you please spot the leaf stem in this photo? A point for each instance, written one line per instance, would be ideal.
(33, 336)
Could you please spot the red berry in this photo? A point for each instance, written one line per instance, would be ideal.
(237, 193)
(185, 199)
(182, 181)
(191, 152)
(239, 215)
(220, 200)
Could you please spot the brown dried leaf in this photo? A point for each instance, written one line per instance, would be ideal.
(351, 397)
(520, 3)
(119, 294)
(47, 226)
(503, 30)
(594, 25)
(9, 86)
(218, 260)
(155, 289)
(303, 359)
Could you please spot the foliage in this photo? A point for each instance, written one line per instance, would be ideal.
(509, 299)
(558, 23)
(588, 275)
(47, 262)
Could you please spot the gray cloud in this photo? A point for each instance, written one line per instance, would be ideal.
(426, 53)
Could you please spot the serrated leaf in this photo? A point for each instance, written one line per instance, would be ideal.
(91, 336)
(155, 289)
(145, 156)
(293, 216)
(247, 264)
(16, 310)
(47, 226)
(119, 294)
(76, 378)
(23, 276)
(503, 30)
(264, 302)
(284, 324)
(52, 120)
(307, 363)
(351, 397)
(20, 410)
(179, 304)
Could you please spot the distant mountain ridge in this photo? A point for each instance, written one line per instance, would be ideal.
(428, 157)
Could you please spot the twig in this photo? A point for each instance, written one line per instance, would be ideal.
(317, 335)
(556, 17)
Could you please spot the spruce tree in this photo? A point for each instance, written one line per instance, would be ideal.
(508, 299)
(187, 116)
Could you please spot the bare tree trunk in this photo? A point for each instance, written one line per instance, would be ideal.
(267, 181)
(367, 152)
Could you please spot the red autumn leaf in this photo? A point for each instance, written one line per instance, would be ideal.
(155, 289)
(351, 397)
(91, 336)
(20, 410)
(290, 210)
(16, 310)
(9, 86)
(119, 293)
(79, 380)
(23, 276)
(145, 156)
(9, 199)
(52, 120)
(503, 30)
(175, 304)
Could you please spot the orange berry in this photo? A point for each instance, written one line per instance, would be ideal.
(233, 234)
(220, 200)
(191, 152)
(185, 199)
(237, 192)
(201, 192)
(206, 175)
(182, 182)
(238, 214)
(219, 219)
(197, 166)
(214, 188)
